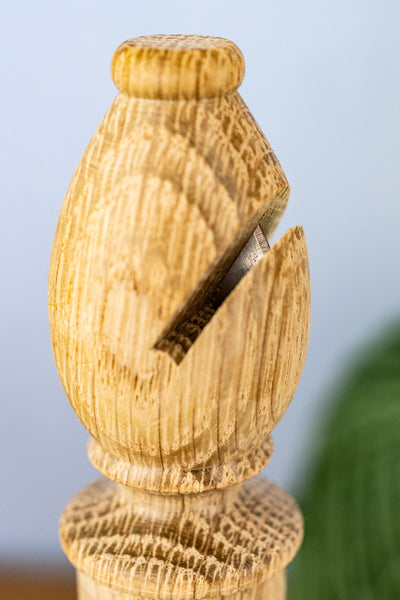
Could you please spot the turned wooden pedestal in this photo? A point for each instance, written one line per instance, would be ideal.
(179, 336)
(203, 545)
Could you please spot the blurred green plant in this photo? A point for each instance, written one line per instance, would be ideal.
(351, 549)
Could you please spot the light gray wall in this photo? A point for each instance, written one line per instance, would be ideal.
(322, 80)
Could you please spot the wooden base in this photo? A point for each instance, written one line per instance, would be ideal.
(271, 589)
(169, 191)
(209, 545)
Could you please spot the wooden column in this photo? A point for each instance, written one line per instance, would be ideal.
(179, 382)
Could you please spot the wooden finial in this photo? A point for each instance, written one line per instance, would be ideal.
(179, 374)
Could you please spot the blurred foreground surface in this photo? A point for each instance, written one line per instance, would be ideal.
(32, 582)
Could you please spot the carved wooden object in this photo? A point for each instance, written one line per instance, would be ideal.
(179, 399)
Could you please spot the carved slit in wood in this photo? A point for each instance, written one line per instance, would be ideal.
(172, 186)
(199, 308)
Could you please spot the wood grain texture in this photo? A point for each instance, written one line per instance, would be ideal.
(132, 243)
(195, 480)
(190, 546)
(160, 415)
(270, 589)
(219, 421)
(152, 67)
(167, 194)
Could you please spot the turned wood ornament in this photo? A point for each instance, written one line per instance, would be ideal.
(178, 391)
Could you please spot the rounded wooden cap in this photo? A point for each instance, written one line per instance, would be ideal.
(175, 67)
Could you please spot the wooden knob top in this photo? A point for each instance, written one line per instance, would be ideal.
(175, 67)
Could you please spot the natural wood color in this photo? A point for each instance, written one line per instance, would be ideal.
(270, 589)
(218, 420)
(191, 546)
(119, 273)
(152, 67)
(174, 182)
(180, 479)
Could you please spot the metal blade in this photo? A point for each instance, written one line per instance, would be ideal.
(180, 339)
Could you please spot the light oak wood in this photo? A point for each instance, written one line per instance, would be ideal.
(172, 185)
(271, 589)
(180, 479)
(187, 546)
(162, 67)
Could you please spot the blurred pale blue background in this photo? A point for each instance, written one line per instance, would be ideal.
(322, 80)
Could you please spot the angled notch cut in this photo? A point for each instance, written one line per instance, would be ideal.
(200, 306)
